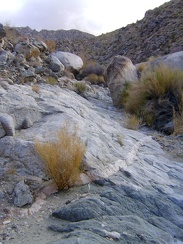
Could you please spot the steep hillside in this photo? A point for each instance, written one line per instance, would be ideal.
(160, 32)
(54, 35)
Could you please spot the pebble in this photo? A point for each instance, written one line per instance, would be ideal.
(6, 222)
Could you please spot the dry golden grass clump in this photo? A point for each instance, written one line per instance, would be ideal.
(93, 72)
(63, 157)
(51, 80)
(143, 65)
(80, 87)
(51, 45)
(156, 96)
(36, 88)
(133, 122)
(178, 124)
(96, 79)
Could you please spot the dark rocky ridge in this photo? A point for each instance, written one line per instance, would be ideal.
(160, 32)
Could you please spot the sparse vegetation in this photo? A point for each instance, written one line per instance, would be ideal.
(133, 122)
(178, 124)
(51, 45)
(34, 52)
(93, 72)
(51, 80)
(36, 88)
(119, 139)
(63, 156)
(156, 96)
(142, 66)
(95, 79)
(124, 95)
(93, 68)
(80, 87)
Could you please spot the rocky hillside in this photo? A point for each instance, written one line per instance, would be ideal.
(128, 191)
(55, 35)
(160, 32)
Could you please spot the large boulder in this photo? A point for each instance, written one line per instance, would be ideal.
(27, 49)
(3, 57)
(22, 194)
(54, 64)
(120, 73)
(69, 60)
(173, 60)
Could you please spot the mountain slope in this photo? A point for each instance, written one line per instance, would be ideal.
(160, 32)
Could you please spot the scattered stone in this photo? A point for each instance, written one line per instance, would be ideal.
(7, 124)
(3, 57)
(22, 194)
(27, 123)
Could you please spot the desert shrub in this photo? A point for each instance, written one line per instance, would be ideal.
(95, 79)
(156, 96)
(51, 80)
(143, 65)
(34, 52)
(51, 44)
(119, 139)
(93, 72)
(124, 95)
(63, 156)
(80, 87)
(36, 88)
(93, 68)
(178, 124)
(133, 122)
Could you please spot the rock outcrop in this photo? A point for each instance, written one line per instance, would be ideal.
(136, 194)
(120, 73)
(158, 33)
(174, 61)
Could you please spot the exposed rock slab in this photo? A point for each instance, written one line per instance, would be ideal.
(136, 196)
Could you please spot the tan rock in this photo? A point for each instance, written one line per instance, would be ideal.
(120, 72)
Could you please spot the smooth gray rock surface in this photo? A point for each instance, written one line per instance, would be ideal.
(173, 60)
(69, 59)
(136, 196)
(55, 65)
